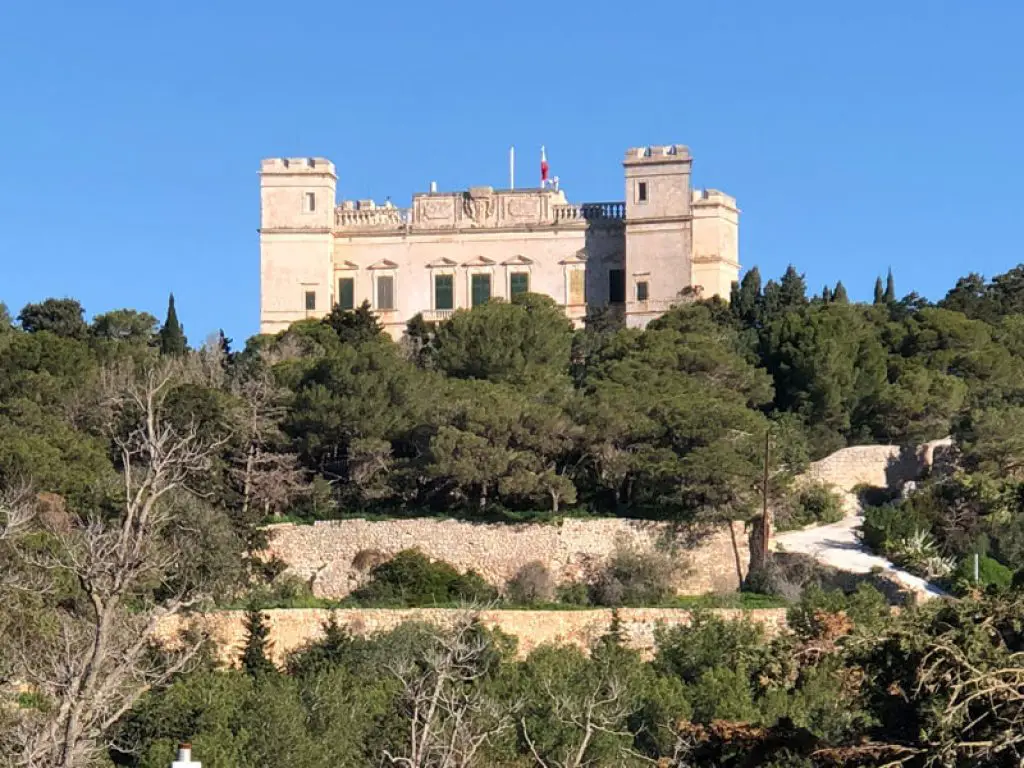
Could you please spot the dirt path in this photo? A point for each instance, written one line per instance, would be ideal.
(839, 546)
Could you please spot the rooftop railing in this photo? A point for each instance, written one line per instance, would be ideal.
(590, 212)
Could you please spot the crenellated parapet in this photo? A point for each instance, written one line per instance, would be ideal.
(291, 166)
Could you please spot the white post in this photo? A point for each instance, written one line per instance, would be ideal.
(433, 187)
(512, 167)
(185, 758)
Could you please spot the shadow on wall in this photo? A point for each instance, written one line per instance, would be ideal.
(915, 462)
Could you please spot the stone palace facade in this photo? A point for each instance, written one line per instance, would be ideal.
(454, 250)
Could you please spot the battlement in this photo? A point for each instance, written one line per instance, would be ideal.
(657, 153)
(710, 197)
(294, 165)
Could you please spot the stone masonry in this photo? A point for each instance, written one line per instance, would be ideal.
(291, 629)
(452, 250)
(334, 556)
(877, 466)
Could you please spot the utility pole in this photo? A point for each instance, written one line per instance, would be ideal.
(766, 522)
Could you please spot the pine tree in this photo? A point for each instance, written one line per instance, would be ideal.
(879, 292)
(172, 335)
(257, 644)
(355, 326)
(792, 288)
(839, 294)
(890, 289)
(826, 295)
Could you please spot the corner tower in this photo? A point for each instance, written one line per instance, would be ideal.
(658, 230)
(716, 256)
(297, 199)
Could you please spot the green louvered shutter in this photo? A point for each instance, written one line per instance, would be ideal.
(444, 292)
(519, 282)
(481, 289)
(347, 293)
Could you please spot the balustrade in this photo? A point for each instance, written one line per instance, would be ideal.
(372, 218)
(590, 212)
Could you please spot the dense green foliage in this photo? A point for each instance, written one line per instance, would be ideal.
(506, 412)
(849, 685)
(411, 579)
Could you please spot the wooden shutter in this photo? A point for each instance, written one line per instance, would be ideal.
(519, 282)
(444, 292)
(481, 289)
(347, 293)
(385, 292)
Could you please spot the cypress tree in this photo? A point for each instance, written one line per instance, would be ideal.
(257, 644)
(792, 289)
(839, 294)
(172, 335)
(746, 297)
(890, 288)
(879, 292)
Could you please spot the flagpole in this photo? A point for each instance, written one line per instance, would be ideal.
(512, 167)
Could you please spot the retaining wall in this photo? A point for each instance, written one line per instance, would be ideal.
(291, 629)
(334, 556)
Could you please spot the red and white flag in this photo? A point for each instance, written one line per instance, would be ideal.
(543, 166)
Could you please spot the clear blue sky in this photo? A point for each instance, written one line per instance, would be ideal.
(856, 136)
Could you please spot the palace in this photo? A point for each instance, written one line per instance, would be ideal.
(454, 250)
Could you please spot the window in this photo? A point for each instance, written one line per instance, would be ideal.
(385, 292)
(641, 191)
(347, 293)
(518, 282)
(616, 286)
(310, 301)
(642, 291)
(444, 292)
(310, 202)
(577, 287)
(480, 289)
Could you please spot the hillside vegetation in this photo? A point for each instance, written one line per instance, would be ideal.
(136, 473)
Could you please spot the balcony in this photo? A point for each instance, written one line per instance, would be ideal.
(383, 218)
(589, 212)
(438, 315)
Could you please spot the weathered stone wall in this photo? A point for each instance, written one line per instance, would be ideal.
(291, 629)
(879, 466)
(334, 556)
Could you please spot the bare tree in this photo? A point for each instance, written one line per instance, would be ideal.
(270, 480)
(602, 708)
(450, 715)
(130, 573)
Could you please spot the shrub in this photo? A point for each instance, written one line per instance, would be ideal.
(632, 577)
(866, 608)
(573, 593)
(815, 504)
(532, 583)
(412, 579)
(991, 573)
(687, 652)
(786, 575)
(888, 524)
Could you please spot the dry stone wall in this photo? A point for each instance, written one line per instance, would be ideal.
(291, 629)
(335, 556)
(878, 466)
